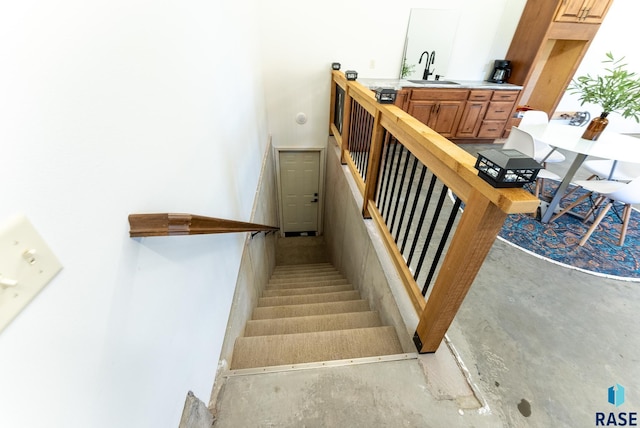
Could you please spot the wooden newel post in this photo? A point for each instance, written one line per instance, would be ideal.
(478, 228)
(373, 170)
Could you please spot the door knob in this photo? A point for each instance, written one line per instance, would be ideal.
(314, 200)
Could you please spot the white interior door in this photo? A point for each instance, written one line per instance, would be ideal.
(300, 187)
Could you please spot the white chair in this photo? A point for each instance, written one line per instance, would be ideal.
(601, 168)
(525, 143)
(537, 117)
(534, 117)
(608, 191)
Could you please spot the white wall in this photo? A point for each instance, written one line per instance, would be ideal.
(300, 40)
(616, 34)
(109, 108)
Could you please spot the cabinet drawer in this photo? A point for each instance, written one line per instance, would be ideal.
(480, 95)
(439, 94)
(505, 95)
(498, 110)
(491, 129)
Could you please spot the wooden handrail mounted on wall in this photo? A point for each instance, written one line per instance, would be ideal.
(170, 224)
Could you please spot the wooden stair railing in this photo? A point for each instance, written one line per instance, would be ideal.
(172, 224)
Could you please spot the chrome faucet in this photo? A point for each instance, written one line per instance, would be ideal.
(429, 62)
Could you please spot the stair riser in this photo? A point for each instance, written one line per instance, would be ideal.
(293, 268)
(310, 309)
(312, 324)
(309, 298)
(303, 278)
(307, 284)
(308, 290)
(304, 273)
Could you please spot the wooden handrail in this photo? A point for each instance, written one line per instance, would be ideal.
(171, 224)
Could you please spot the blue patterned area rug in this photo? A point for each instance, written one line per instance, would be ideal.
(558, 241)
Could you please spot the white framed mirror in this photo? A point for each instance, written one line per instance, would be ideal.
(428, 44)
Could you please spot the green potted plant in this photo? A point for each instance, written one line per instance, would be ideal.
(617, 91)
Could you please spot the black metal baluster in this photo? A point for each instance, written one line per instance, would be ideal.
(443, 242)
(413, 206)
(389, 168)
(432, 228)
(400, 193)
(422, 216)
(395, 180)
(408, 194)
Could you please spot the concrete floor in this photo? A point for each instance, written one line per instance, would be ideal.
(542, 344)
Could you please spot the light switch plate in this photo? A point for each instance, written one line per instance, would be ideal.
(26, 266)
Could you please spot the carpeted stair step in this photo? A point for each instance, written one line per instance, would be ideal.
(275, 350)
(312, 323)
(303, 284)
(287, 311)
(299, 272)
(305, 278)
(298, 268)
(306, 290)
(308, 298)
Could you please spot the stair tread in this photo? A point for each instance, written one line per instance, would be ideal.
(306, 290)
(302, 271)
(306, 278)
(289, 268)
(306, 324)
(308, 298)
(273, 350)
(287, 311)
(302, 284)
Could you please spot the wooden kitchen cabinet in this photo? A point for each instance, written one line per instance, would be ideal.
(473, 114)
(439, 109)
(463, 115)
(585, 11)
(548, 45)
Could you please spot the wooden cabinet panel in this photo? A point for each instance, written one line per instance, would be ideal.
(499, 110)
(441, 116)
(439, 94)
(448, 117)
(422, 110)
(480, 95)
(402, 97)
(491, 129)
(583, 11)
(472, 118)
(505, 95)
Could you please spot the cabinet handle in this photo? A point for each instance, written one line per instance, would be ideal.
(586, 14)
(581, 14)
(499, 111)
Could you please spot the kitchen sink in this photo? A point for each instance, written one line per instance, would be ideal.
(434, 82)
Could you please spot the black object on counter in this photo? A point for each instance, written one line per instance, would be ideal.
(335, 65)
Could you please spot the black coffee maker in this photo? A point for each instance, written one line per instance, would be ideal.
(501, 71)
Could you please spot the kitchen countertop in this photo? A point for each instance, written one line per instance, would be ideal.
(459, 84)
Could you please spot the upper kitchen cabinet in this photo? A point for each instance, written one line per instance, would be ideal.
(550, 41)
(585, 11)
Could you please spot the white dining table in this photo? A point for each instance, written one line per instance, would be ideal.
(610, 145)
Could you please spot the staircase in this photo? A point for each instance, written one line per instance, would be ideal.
(309, 313)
